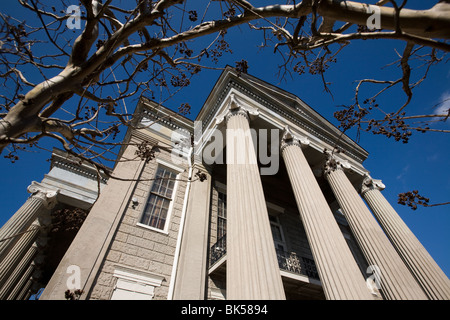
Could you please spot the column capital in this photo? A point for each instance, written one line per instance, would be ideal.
(236, 108)
(47, 195)
(334, 163)
(370, 184)
(289, 139)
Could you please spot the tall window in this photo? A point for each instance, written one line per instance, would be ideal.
(158, 202)
(277, 234)
(221, 215)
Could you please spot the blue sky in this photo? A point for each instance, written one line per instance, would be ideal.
(421, 164)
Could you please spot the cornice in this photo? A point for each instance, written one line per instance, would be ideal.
(295, 115)
(71, 164)
(163, 115)
(162, 120)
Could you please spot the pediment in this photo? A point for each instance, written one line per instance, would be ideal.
(287, 105)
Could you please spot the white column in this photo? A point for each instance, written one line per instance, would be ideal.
(18, 273)
(252, 266)
(397, 283)
(41, 199)
(9, 263)
(339, 273)
(25, 293)
(19, 286)
(432, 279)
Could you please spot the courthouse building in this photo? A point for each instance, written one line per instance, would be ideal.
(259, 198)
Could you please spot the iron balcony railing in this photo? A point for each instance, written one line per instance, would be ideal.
(218, 250)
(288, 261)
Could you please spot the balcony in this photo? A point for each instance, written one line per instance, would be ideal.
(287, 261)
(217, 251)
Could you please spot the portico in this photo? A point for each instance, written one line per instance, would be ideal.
(248, 219)
(311, 153)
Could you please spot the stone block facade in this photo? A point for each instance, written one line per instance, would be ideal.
(138, 247)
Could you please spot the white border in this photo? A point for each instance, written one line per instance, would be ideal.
(173, 274)
(180, 170)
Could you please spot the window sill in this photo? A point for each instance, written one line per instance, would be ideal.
(152, 228)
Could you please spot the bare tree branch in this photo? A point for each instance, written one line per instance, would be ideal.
(79, 81)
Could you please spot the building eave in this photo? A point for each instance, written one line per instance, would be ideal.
(280, 101)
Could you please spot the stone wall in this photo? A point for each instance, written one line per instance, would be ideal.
(138, 247)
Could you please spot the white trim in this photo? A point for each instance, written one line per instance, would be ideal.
(180, 230)
(218, 294)
(299, 277)
(153, 228)
(274, 207)
(180, 170)
(218, 264)
(170, 165)
(138, 276)
(221, 187)
(134, 284)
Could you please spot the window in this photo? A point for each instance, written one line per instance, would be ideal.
(221, 215)
(158, 202)
(277, 233)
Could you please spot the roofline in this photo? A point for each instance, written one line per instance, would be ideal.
(230, 72)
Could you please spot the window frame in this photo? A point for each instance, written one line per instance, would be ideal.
(275, 211)
(282, 241)
(221, 218)
(221, 188)
(177, 171)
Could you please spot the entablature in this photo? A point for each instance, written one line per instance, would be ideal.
(278, 109)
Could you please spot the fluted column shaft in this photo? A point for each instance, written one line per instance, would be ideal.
(26, 276)
(252, 267)
(397, 283)
(25, 293)
(40, 200)
(12, 259)
(338, 271)
(431, 278)
(18, 273)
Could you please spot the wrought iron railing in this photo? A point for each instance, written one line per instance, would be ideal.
(218, 250)
(310, 268)
(288, 261)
